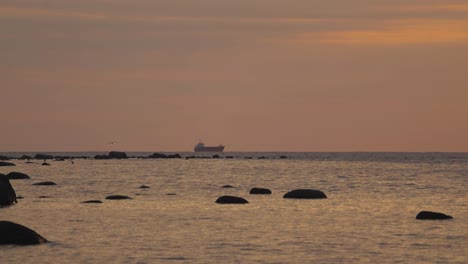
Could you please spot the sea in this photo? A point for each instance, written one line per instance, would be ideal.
(368, 217)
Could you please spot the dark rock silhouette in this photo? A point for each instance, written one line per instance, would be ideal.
(92, 201)
(428, 215)
(117, 197)
(171, 193)
(101, 157)
(164, 156)
(117, 155)
(45, 164)
(256, 190)
(41, 156)
(7, 193)
(144, 187)
(26, 157)
(226, 199)
(229, 157)
(46, 183)
(283, 157)
(16, 234)
(216, 156)
(227, 186)
(305, 194)
(4, 157)
(4, 164)
(44, 196)
(17, 176)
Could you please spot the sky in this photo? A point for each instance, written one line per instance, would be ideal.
(257, 75)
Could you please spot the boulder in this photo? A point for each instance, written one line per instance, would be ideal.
(174, 156)
(17, 176)
(305, 194)
(117, 155)
(101, 157)
(4, 164)
(256, 190)
(4, 157)
(216, 156)
(428, 215)
(92, 201)
(16, 234)
(227, 186)
(45, 164)
(117, 197)
(226, 199)
(26, 157)
(144, 187)
(157, 156)
(46, 183)
(7, 193)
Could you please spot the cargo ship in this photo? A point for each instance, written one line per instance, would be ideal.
(200, 147)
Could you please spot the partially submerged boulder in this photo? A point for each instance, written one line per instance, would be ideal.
(7, 193)
(46, 183)
(428, 215)
(5, 164)
(226, 199)
(14, 175)
(305, 194)
(117, 155)
(92, 201)
(117, 197)
(16, 234)
(256, 190)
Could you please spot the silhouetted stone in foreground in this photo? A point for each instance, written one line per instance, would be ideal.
(117, 155)
(46, 183)
(17, 176)
(5, 164)
(256, 190)
(226, 199)
(428, 215)
(305, 194)
(16, 234)
(92, 201)
(117, 197)
(7, 193)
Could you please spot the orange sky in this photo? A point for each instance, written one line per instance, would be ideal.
(338, 75)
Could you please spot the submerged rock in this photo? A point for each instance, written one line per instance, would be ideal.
(144, 187)
(46, 183)
(7, 193)
(117, 197)
(305, 194)
(45, 164)
(16, 234)
(92, 201)
(17, 176)
(256, 190)
(227, 186)
(428, 215)
(226, 199)
(5, 164)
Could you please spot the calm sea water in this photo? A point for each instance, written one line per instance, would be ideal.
(369, 216)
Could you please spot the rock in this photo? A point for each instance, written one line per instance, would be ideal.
(256, 190)
(4, 164)
(174, 156)
(144, 187)
(283, 157)
(26, 157)
(305, 194)
(45, 164)
(226, 199)
(248, 158)
(117, 155)
(92, 201)
(4, 157)
(101, 157)
(117, 197)
(17, 176)
(428, 215)
(227, 186)
(44, 196)
(19, 197)
(157, 156)
(216, 156)
(171, 193)
(15, 234)
(41, 156)
(46, 183)
(7, 193)
(229, 157)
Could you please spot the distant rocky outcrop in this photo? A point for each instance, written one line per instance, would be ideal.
(256, 190)
(46, 183)
(428, 215)
(117, 197)
(4, 157)
(17, 176)
(226, 199)
(305, 194)
(41, 156)
(101, 157)
(7, 193)
(16, 234)
(4, 164)
(117, 155)
(164, 156)
(26, 157)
